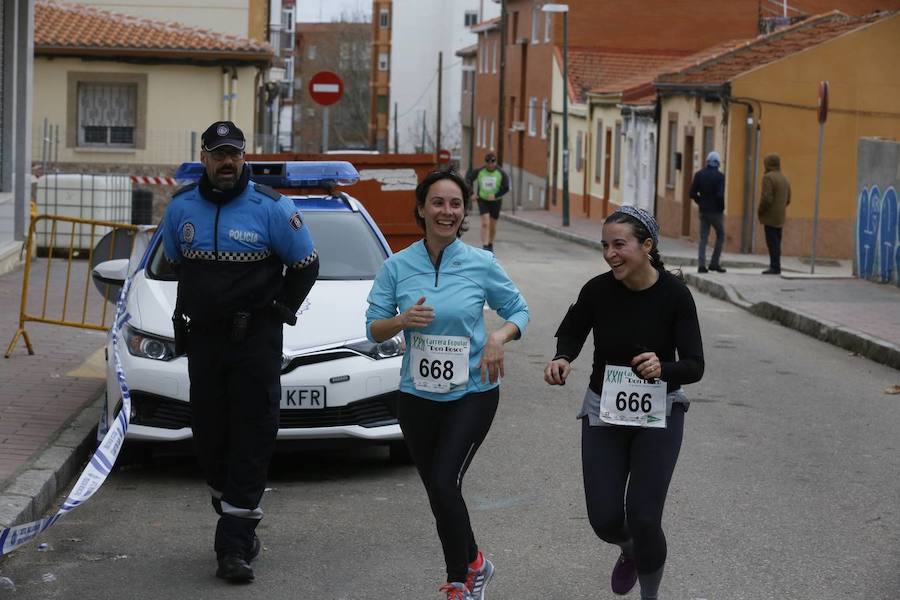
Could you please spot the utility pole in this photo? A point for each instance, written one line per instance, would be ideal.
(501, 109)
(396, 139)
(440, 76)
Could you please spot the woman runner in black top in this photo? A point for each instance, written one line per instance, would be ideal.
(646, 345)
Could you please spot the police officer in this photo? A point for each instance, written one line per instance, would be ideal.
(231, 240)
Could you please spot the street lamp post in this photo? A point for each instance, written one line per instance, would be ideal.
(564, 9)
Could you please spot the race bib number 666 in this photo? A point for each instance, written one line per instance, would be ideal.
(438, 362)
(629, 400)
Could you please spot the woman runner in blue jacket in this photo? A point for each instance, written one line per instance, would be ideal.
(434, 291)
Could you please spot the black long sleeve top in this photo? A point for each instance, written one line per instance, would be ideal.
(661, 319)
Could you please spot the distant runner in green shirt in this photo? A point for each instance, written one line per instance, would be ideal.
(489, 184)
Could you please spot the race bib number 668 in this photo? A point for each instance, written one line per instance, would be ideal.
(438, 362)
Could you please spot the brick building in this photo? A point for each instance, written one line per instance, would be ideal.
(531, 37)
(343, 48)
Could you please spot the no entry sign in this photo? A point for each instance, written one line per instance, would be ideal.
(326, 88)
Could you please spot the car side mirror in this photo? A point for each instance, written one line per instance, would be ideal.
(109, 277)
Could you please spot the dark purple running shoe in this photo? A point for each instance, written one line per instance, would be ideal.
(624, 575)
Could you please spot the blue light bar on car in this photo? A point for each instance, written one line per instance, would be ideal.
(289, 174)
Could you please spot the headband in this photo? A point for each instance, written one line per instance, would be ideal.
(644, 217)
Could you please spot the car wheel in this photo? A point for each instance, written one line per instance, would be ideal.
(399, 454)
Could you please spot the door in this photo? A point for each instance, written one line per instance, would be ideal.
(687, 174)
(607, 162)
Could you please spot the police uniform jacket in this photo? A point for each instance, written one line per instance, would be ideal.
(232, 251)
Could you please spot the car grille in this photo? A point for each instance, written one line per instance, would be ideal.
(157, 411)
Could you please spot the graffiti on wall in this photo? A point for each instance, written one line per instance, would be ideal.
(878, 235)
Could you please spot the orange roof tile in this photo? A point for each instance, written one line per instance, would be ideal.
(765, 49)
(592, 68)
(61, 28)
(637, 87)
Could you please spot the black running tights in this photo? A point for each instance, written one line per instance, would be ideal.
(442, 438)
(627, 471)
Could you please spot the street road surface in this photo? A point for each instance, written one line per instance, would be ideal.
(787, 486)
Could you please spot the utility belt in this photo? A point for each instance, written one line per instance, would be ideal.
(235, 327)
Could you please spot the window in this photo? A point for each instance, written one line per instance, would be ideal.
(107, 114)
(579, 151)
(514, 27)
(287, 19)
(598, 155)
(672, 147)
(289, 69)
(617, 155)
(479, 135)
(384, 18)
(471, 17)
(383, 61)
(709, 141)
(532, 116)
(535, 24)
(492, 134)
(530, 194)
(311, 52)
(494, 60)
(467, 83)
(482, 56)
(548, 26)
(381, 104)
(544, 119)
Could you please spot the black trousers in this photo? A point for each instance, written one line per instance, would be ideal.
(714, 220)
(443, 438)
(773, 243)
(235, 397)
(642, 460)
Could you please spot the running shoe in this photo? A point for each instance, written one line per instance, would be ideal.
(478, 578)
(456, 591)
(624, 575)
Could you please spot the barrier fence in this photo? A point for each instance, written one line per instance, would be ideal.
(61, 251)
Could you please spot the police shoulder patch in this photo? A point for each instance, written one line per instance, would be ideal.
(267, 191)
(185, 188)
(296, 221)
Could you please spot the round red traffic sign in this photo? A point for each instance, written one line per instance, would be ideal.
(326, 88)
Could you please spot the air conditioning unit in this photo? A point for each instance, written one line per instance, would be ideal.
(517, 126)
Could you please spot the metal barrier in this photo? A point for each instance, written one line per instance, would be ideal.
(59, 302)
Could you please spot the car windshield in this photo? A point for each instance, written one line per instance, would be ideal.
(347, 247)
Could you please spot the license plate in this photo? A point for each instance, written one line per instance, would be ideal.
(305, 398)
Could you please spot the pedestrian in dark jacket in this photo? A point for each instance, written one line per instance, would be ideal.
(708, 191)
(773, 201)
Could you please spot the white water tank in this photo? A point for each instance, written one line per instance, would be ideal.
(83, 196)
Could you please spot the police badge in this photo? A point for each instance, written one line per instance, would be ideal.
(187, 232)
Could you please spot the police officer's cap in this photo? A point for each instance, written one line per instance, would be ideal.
(223, 133)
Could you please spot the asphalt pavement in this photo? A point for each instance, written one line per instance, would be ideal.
(50, 401)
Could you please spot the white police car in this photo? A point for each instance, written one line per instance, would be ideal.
(335, 383)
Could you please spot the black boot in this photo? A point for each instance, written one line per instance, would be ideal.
(233, 568)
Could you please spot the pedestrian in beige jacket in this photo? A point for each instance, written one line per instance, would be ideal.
(773, 201)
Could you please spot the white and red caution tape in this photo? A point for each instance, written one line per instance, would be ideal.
(152, 180)
(101, 463)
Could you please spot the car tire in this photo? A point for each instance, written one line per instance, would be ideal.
(399, 454)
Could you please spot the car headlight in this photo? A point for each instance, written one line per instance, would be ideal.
(144, 345)
(389, 348)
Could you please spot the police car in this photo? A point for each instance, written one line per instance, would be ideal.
(335, 383)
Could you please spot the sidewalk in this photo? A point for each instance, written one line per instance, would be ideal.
(831, 305)
(49, 406)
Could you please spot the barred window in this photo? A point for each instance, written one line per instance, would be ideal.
(107, 114)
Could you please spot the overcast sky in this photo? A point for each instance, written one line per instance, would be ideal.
(314, 11)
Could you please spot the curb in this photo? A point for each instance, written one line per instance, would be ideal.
(678, 261)
(34, 490)
(860, 343)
